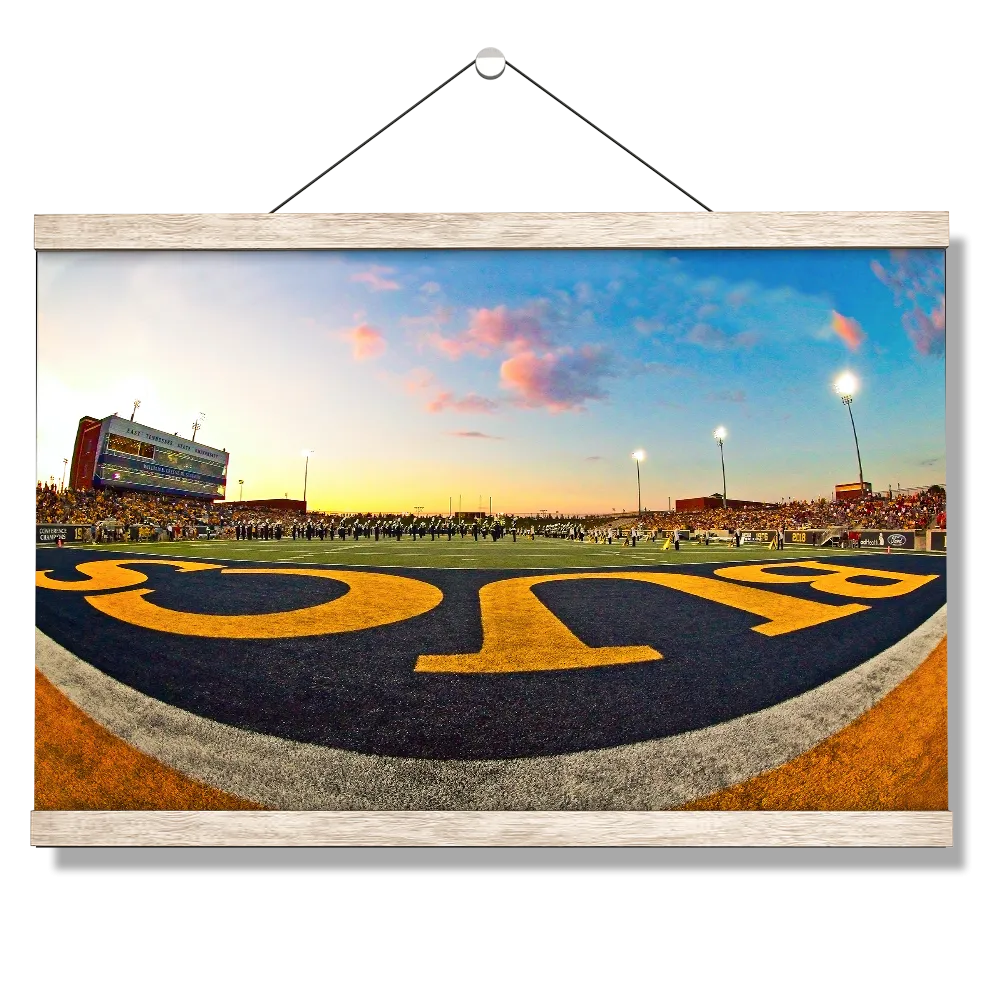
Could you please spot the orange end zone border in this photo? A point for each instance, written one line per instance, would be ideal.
(893, 757)
(80, 765)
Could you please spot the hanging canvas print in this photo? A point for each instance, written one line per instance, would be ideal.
(491, 530)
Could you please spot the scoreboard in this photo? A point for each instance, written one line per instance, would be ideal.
(121, 454)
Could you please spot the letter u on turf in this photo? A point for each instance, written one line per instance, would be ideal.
(520, 633)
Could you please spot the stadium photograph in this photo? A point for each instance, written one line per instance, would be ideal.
(491, 530)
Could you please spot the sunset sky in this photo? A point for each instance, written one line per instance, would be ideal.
(528, 376)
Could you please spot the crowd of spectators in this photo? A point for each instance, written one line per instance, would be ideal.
(127, 508)
(131, 508)
(905, 510)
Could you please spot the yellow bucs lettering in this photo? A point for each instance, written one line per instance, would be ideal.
(519, 632)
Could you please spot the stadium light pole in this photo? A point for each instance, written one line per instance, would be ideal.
(639, 456)
(241, 491)
(720, 436)
(305, 480)
(196, 426)
(845, 387)
(63, 486)
(136, 403)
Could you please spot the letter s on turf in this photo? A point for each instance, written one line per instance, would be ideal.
(373, 599)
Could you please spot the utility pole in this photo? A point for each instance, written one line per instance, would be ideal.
(305, 480)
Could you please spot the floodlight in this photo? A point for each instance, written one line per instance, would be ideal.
(846, 384)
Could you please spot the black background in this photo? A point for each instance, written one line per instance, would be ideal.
(186, 117)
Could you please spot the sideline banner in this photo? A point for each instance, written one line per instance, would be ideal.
(67, 532)
(764, 537)
(888, 539)
(937, 541)
(804, 536)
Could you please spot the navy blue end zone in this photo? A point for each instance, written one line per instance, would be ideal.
(358, 690)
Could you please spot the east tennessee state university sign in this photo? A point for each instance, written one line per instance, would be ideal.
(476, 665)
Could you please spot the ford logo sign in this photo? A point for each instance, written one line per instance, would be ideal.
(897, 540)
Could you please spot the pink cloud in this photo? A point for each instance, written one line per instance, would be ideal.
(849, 330)
(916, 278)
(559, 380)
(376, 278)
(418, 380)
(926, 331)
(366, 341)
(452, 348)
(491, 330)
(474, 434)
(469, 403)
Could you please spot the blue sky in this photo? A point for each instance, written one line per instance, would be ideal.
(528, 376)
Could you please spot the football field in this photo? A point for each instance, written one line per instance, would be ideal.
(465, 553)
(491, 675)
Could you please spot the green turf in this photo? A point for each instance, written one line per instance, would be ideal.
(467, 554)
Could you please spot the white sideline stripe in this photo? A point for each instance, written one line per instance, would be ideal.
(657, 774)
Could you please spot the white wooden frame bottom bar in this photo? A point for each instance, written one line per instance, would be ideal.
(490, 829)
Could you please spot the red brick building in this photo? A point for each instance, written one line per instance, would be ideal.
(851, 491)
(714, 502)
